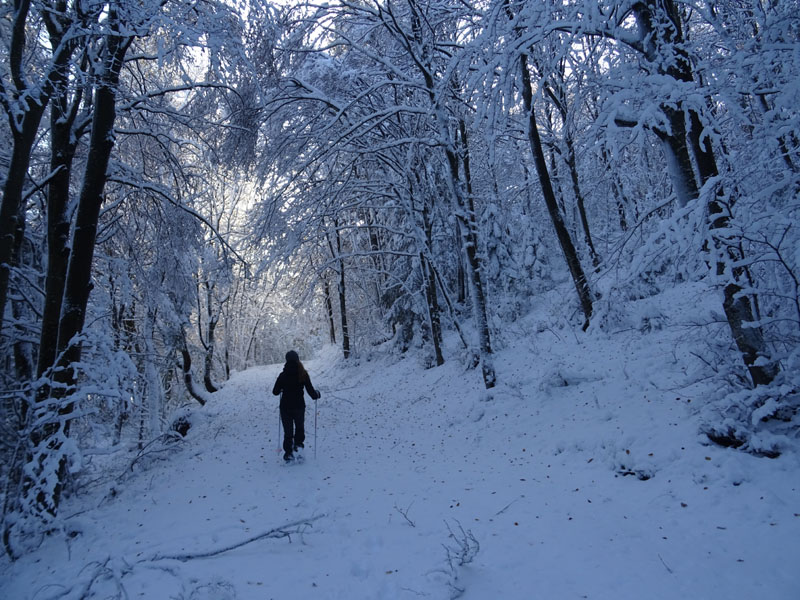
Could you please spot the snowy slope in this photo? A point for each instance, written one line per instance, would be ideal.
(581, 476)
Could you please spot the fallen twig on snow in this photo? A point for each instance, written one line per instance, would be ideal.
(666, 566)
(283, 531)
(115, 569)
(82, 586)
(405, 514)
(506, 507)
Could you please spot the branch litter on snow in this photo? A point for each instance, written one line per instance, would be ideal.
(405, 514)
(283, 531)
(117, 569)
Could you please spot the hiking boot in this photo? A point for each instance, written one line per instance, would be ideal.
(288, 457)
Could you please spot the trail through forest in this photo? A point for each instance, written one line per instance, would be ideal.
(581, 476)
(592, 205)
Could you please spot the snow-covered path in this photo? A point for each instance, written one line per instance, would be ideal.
(576, 478)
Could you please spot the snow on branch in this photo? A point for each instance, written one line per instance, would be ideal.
(132, 181)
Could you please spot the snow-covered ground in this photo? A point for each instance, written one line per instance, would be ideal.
(582, 475)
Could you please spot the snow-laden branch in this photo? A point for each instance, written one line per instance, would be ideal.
(159, 190)
(177, 89)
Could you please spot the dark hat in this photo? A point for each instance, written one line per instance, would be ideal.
(291, 356)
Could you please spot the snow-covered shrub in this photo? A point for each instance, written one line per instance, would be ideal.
(461, 550)
(764, 420)
(517, 263)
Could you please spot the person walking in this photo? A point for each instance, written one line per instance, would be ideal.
(289, 386)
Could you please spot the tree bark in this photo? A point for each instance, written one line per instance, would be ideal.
(343, 312)
(78, 283)
(63, 143)
(576, 190)
(470, 245)
(618, 190)
(11, 210)
(208, 363)
(461, 272)
(337, 255)
(209, 343)
(186, 367)
(23, 349)
(474, 359)
(329, 310)
(50, 439)
(30, 104)
(662, 43)
(457, 155)
(377, 256)
(434, 312)
(564, 239)
(433, 309)
(25, 108)
(558, 96)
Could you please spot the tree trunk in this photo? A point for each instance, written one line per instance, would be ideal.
(737, 305)
(434, 312)
(153, 386)
(576, 190)
(78, 282)
(567, 247)
(208, 363)
(123, 321)
(186, 367)
(461, 272)
(209, 344)
(618, 190)
(377, 256)
(49, 440)
(343, 312)
(23, 350)
(31, 104)
(329, 310)
(342, 295)
(251, 340)
(63, 143)
(434, 317)
(558, 97)
(470, 245)
(662, 39)
(11, 209)
(679, 161)
(555, 183)
(29, 467)
(474, 359)
(784, 142)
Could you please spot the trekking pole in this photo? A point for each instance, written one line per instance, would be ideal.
(280, 428)
(315, 429)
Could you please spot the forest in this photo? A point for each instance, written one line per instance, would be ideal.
(190, 187)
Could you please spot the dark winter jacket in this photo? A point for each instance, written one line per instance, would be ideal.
(290, 387)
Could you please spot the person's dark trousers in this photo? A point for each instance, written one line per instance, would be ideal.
(294, 433)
